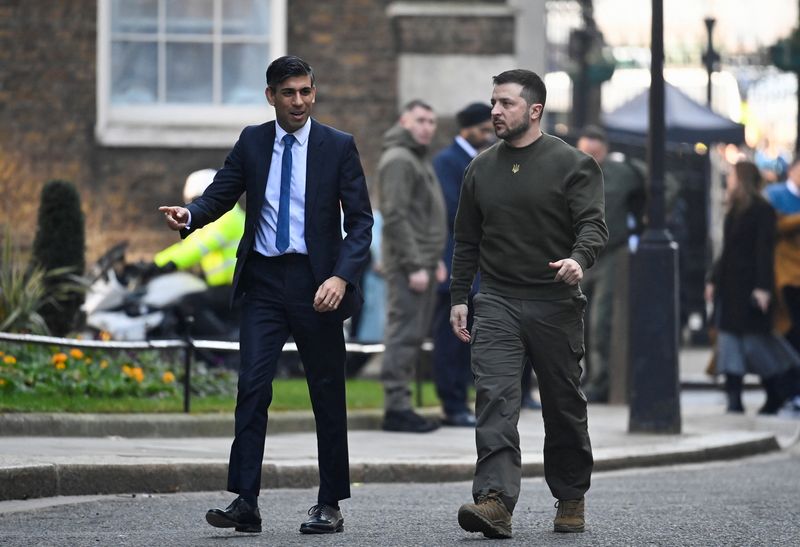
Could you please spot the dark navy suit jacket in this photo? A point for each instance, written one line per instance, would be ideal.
(334, 176)
(450, 165)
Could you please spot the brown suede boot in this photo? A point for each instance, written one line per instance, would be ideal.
(489, 516)
(569, 517)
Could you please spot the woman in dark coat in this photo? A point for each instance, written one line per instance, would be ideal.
(741, 287)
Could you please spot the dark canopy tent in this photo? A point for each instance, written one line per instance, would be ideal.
(686, 120)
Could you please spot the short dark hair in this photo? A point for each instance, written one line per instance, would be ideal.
(285, 67)
(595, 133)
(533, 89)
(415, 103)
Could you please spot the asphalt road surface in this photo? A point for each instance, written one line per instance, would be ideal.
(755, 501)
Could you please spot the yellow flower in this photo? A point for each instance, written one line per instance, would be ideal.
(137, 374)
(105, 336)
(104, 364)
(88, 360)
(168, 377)
(127, 370)
(1, 353)
(59, 358)
(61, 366)
(2, 382)
(9, 360)
(75, 353)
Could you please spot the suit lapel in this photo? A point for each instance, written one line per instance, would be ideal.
(264, 143)
(314, 165)
(461, 152)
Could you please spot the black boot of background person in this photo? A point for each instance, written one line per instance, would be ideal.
(775, 394)
(733, 389)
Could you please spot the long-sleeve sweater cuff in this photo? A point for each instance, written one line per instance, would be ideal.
(459, 297)
(581, 259)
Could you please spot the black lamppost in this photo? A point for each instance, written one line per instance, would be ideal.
(654, 391)
(710, 56)
(591, 65)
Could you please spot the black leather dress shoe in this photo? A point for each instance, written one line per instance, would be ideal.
(408, 421)
(323, 519)
(460, 419)
(239, 515)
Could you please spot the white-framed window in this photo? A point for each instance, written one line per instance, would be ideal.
(184, 73)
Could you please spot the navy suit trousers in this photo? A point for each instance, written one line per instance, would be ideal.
(451, 359)
(278, 302)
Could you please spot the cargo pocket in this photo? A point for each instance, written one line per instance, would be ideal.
(473, 335)
(575, 338)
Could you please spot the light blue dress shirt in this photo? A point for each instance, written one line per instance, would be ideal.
(267, 227)
(466, 146)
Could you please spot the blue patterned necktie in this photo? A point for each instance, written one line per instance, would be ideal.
(282, 232)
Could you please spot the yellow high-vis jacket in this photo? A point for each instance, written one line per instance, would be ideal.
(213, 247)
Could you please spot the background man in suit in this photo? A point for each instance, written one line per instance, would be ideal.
(451, 355)
(299, 276)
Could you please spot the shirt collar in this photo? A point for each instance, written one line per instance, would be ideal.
(301, 135)
(468, 148)
(793, 188)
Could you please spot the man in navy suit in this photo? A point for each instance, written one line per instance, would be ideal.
(451, 364)
(297, 276)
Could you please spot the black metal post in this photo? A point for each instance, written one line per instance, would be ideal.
(187, 363)
(582, 40)
(579, 42)
(710, 57)
(655, 394)
(187, 376)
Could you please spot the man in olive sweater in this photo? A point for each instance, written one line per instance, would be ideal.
(530, 218)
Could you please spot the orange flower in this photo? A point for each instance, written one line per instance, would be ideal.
(59, 358)
(137, 374)
(2, 382)
(61, 366)
(10, 360)
(168, 377)
(75, 353)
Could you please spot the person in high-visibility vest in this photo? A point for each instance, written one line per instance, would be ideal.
(213, 247)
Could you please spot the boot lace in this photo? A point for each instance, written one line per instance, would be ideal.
(566, 506)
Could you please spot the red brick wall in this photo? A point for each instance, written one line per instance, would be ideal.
(48, 112)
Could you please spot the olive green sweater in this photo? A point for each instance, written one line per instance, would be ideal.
(521, 208)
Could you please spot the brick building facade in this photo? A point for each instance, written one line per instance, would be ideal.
(369, 57)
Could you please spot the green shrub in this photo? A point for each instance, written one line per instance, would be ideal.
(60, 246)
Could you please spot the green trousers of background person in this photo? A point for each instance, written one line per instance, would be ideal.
(408, 323)
(601, 281)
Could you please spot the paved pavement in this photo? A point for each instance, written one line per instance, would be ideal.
(744, 502)
(159, 453)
